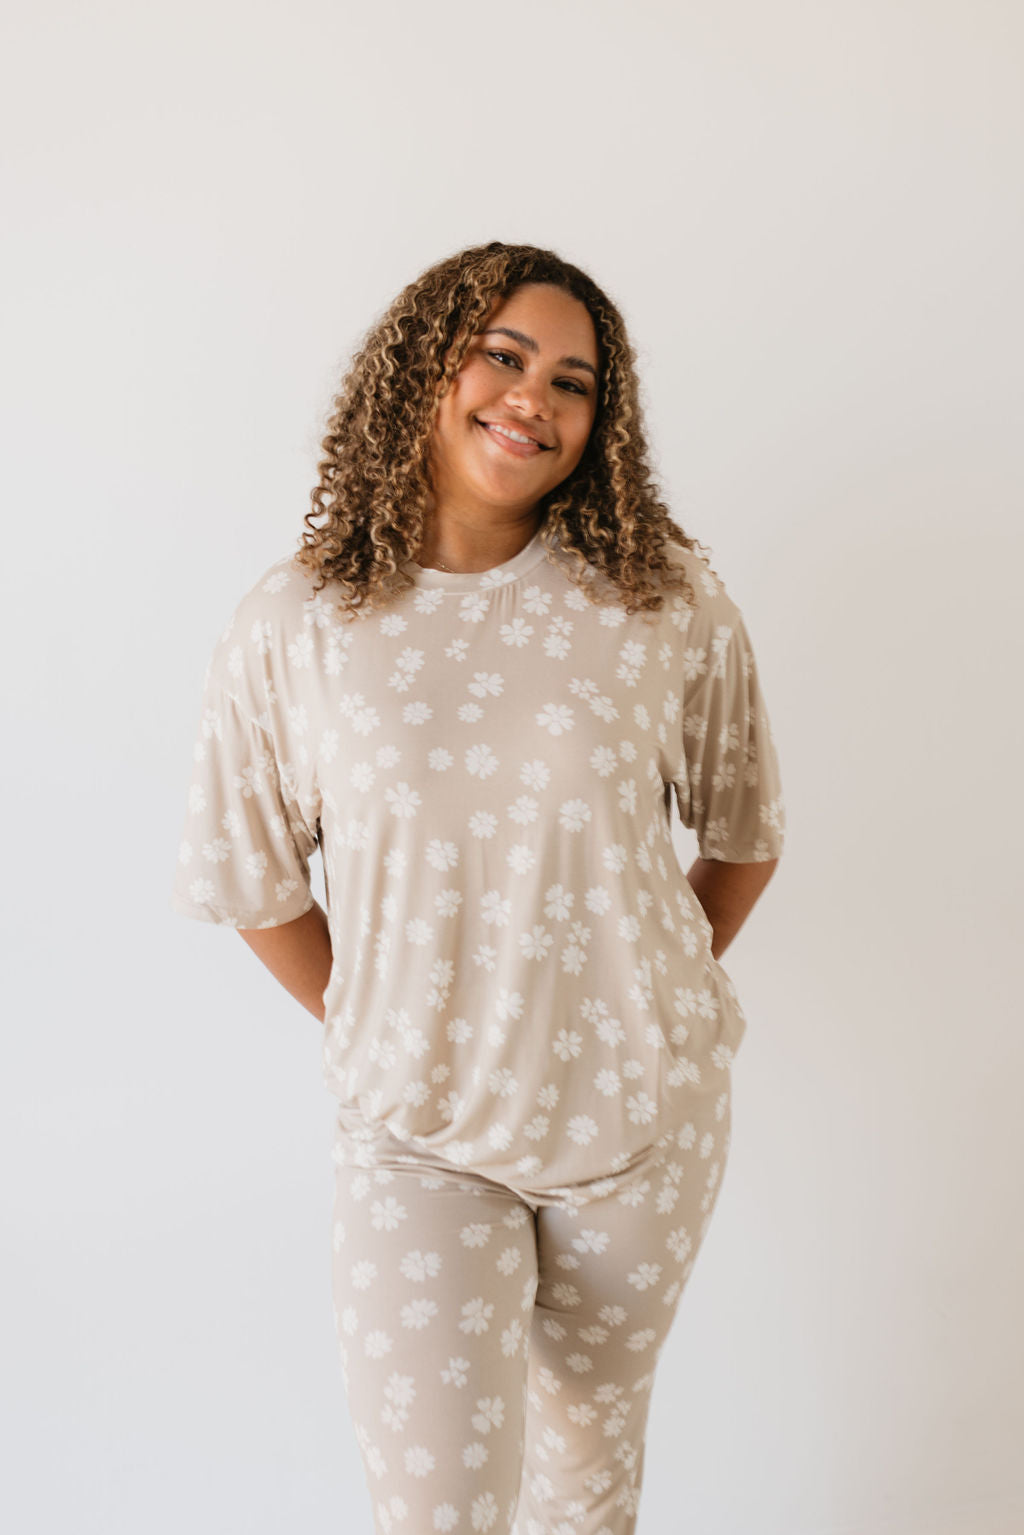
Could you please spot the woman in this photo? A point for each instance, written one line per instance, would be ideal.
(477, 687)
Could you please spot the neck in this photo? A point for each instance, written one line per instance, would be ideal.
(462, 547)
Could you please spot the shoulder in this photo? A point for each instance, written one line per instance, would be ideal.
(267, 617)
(282, 594)
(712, 603)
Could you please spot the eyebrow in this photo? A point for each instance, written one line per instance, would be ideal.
(531, 346)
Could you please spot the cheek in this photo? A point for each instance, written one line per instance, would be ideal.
(464, 399)
(449, 413)
(582, 437)
(472, 376)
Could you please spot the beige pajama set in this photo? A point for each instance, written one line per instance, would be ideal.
(526, 1034)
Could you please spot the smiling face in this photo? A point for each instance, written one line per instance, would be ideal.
(531, 370)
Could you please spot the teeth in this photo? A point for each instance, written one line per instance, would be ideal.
(505, 432)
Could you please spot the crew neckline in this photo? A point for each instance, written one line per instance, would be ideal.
(529, 555)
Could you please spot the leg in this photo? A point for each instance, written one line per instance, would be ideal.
(611, 1275)
(434, 1278)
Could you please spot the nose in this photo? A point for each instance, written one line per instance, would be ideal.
(529, 395)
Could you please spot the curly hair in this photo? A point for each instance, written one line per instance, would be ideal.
(374, 491)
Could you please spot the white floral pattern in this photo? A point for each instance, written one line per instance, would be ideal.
(522, 979)
(499, 1347)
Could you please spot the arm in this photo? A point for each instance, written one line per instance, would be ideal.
(728, 892)
(298, 953)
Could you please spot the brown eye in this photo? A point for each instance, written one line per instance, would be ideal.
(570, 383)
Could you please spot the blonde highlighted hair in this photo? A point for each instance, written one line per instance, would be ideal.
(371, 504)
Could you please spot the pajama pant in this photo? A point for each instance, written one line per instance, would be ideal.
(499, 1344)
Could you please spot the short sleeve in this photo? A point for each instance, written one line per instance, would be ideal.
(728, 784)
(245, 848)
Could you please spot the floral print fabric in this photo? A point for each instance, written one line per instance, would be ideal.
(522, 980)
(499, 1354)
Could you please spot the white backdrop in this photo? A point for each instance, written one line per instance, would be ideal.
(811, 216)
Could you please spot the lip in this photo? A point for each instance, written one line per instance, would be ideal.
(517, 449)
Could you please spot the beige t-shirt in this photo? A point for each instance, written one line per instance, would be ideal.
(522, 978)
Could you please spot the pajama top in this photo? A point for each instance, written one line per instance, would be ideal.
(522, 980)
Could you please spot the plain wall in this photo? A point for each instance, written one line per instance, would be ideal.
(811, 216)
